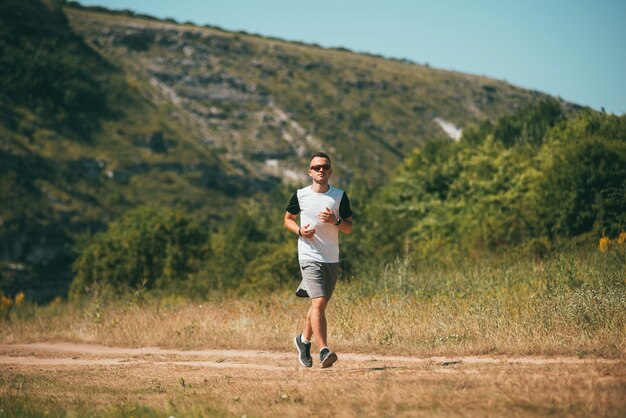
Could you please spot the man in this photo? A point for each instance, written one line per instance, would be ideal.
(324, 210)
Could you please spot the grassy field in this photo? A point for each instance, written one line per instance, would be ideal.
(571, 306)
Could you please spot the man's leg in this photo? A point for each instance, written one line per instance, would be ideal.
(305, 348)
(318, 325)
(316, 322)
(321, 279)
(308, 329)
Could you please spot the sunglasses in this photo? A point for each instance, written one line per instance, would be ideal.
(326, 167)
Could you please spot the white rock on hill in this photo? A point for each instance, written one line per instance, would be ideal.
(449, 128)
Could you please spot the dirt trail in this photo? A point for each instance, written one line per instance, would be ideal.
(71, 354)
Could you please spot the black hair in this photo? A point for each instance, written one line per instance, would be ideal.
(321, 155)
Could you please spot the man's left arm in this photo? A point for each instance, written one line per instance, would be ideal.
(345, 215)
(343, 222)
(346, 225)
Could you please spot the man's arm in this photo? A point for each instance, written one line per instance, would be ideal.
(346, 225)
(345, 212)
(291, 224)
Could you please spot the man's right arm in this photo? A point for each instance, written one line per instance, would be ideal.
(292, 211)
(290, 223)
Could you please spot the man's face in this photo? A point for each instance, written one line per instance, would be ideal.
(320, 170)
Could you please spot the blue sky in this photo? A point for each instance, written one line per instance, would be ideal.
(573, 49)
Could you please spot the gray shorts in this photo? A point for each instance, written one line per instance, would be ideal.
(318, 279)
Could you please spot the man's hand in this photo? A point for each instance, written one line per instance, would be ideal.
(328, 216)
(306, 232)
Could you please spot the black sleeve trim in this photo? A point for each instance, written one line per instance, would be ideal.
(344, 207)
(294, 206)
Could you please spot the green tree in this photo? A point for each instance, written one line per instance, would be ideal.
(584, 184)
(492, 192)
(412, 206)
(149, 246)
(527, 126)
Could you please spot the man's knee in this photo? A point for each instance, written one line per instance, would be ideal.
(319, 304)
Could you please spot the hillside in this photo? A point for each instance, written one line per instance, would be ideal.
(266, 104)
(104, 111)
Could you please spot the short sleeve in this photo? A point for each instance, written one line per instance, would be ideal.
(294, 206)
(345, 211)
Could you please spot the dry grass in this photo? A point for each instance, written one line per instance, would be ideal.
(572, 305)
(391, 324)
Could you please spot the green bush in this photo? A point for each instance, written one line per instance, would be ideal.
(148, 246)
(274, 270)
(252, 249)
(583, 188)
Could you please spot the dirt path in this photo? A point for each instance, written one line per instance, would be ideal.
(77, 379)
(70, 354)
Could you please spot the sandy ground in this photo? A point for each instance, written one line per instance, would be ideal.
(70, 354)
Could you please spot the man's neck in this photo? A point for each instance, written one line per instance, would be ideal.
(320, 188)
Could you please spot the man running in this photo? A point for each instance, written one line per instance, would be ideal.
(324, 211)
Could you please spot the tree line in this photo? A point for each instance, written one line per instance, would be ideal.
(531, 183)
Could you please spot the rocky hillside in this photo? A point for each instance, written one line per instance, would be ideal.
(104, 111)
(264, 104)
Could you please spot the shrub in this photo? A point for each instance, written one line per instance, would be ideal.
(148, 246)
(584, 185)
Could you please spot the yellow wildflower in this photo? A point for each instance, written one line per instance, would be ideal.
(604, 244)
(5, 302)
(621, 240)
(19, 298)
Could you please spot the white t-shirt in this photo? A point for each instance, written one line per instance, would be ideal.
(324, 246)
